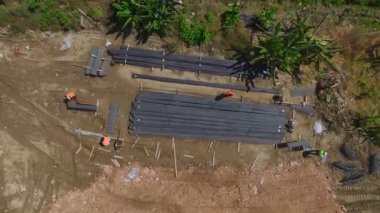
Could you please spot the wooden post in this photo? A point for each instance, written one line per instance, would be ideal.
(293, 113)
(134, 143)
(188, 156)
(146, 151)
(172, 143)
(157, 147)
(92, 150)
(238, 147)
(106, 150)
(159, 154)
(213, 159)
(80, 147)
(209, 147)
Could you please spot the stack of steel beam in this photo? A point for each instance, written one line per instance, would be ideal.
(150, 58)
(184, 116)
(206, 84)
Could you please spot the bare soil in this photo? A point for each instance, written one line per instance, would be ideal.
(292, 186)
(42, 159)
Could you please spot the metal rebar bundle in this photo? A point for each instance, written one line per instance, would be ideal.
(185, 116)
(150, 58)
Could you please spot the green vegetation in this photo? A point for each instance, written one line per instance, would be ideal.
(286, 50)
(5, 16)
(147, 17)
(231, 16)
(210, 17)
(267, 18)
(46, 13)
(95, 12)
(193, 33)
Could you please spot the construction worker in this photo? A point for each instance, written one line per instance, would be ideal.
(106, 141)
(228, 93)
(318, 152)
(70, 95)
(321, 153)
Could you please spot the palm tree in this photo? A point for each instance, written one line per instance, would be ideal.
(286, 48)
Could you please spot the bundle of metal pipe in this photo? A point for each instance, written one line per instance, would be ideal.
(72, 104)
(184, 116)
(150, 58)
(206, 84)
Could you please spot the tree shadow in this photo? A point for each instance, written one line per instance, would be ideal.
(243, 67)
(115, 27)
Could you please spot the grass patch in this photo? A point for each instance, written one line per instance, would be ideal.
(95, 12)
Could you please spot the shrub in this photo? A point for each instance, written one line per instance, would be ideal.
(231, 17)
(210, 17)
(267, 17)
(32, 5)
(193, 33)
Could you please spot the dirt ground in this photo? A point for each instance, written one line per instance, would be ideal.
(292, 186)
(42, 159)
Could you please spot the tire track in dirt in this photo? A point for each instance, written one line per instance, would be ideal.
(359, 198)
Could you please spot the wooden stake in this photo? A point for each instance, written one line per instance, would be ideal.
(213, 159)
(172, 143)
(92, 150)
(175, 160)
(116, 156)
(293, 113)
(106, 150)
(80, 147)
(188, 156)
(253, 164)
(209, 147)
(159, 154)
(157, 147)
(134, 143)
(299, 136)
(101, 165)
(114, 161)
(238, 147)
(146, 151)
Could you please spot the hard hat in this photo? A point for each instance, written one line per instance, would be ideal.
(70, 95)
(106, 141)
(228, 93)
